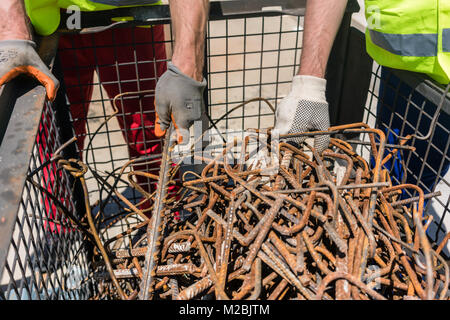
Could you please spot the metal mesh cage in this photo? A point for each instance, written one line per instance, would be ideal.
(118, 68)
(246, 58)
(250, 58)
(109, 78)
(403, 108)
(47, 257)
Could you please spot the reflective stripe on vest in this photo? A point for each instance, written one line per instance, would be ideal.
(408, 45)
(446, 40)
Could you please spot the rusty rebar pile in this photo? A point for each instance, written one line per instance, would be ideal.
(307, 226)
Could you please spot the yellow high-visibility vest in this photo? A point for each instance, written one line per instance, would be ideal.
(410, 35)
(45, 14)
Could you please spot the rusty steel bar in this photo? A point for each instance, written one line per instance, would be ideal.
(326, 226)
(154, 229)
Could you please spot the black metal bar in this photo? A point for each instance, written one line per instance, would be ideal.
(147, 15)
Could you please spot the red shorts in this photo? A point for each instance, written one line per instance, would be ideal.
(126, 60)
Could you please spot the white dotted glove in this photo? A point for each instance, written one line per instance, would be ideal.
(305, 108)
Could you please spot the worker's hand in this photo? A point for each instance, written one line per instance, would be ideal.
(19, 56)
(304, 108)
(180, 98)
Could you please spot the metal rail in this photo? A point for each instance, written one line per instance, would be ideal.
(155, 229)
(146, 15)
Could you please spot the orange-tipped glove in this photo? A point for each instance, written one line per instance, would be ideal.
(178, 98)
(19, 56)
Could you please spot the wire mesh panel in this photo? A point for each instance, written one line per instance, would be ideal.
(250, 65)
(124, 61)
(108, 81)
(47, 257)
(250, 58)
(417, 116)
(110, 77)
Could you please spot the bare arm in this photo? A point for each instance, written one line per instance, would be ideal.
(322, 21)
(189, 19)
(13, 21)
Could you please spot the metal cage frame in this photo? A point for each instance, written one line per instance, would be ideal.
(27, 111)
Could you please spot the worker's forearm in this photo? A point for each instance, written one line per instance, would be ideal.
(322, 21)
(13, 21)
(189, 19)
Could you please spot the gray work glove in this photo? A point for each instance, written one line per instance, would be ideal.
(178, 98)
(304, 108)
(19, 56)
